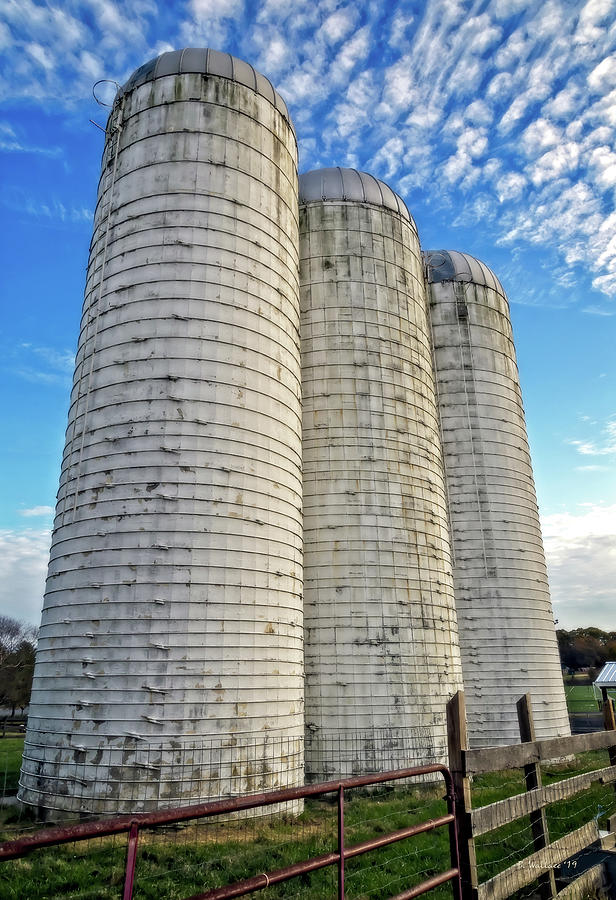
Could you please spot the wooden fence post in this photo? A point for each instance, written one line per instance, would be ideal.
(609, 723)
(458, 742)
(532, 775)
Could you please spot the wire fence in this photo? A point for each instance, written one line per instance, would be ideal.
(127, 775)
(183, 858)
(343, 754)
(513, 842)
(63, 777)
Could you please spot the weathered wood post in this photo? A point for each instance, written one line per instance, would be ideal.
(458, 743)
(532, 776)
(609, 721)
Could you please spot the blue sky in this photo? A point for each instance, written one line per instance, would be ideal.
(495, 121)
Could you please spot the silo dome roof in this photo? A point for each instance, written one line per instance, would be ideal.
(349, 184)
(451, 265)
(207, 62)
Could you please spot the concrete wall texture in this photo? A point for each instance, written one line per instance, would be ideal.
(170, 665)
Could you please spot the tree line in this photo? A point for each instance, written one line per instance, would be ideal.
(17, 648)
(586, 647)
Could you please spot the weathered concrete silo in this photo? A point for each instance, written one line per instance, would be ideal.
(381, 645)
(507, 635)
(169, 664)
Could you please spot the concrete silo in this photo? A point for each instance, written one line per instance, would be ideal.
(381, 644)
(169, 665)
(507, 635)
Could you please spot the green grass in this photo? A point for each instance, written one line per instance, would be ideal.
(501, 848)
(182, 860)
(11, 749)
(580, 698)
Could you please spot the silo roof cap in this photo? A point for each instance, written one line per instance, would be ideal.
(349, 184)
(451, 265)
(204, 61)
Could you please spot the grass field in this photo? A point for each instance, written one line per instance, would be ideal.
(11, 749)
(179, 861)
(182, 860)
(580, 698)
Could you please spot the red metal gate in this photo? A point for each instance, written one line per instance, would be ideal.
(131, 825)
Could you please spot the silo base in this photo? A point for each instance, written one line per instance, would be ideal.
(344, 754)
(129, 776)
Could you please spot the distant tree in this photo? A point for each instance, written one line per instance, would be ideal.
(17, 648)
(586, 647)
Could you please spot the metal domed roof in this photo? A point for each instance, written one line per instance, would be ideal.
(349, 184)
(450, 265)
(208, 62)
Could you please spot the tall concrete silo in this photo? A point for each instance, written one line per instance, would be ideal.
(507, 634)
(169, 665)
(381, 644)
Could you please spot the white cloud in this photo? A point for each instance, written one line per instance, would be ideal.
(540, 135)
(510, 186)
(44, 22)
(10, 142)
(400, 88)
(42, 56)
(389, 158)
(37, 511)
(549, 20)
(463, 166)
(556, 162)
(57, 55)
(5, 36)
(514, 50)
(339, 24)
(500, 86)
(305, 85)
(122, 23)
(399, 24)
(591, 469)
(479, 113)
(216, 9)
(15, 146)
(50, 209)
(605, 283)
(91, 66)
(41, 365)
(514, 113)
(23, 567)
(484, 34)
(473, 141)
(591, 16)
(61, 360)
(605, 446)
(603, 161)
(581, 555)
(275, 55)
(603, 75)
(449, 65)
(504, 9)
(353, 51)
(562, 105)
